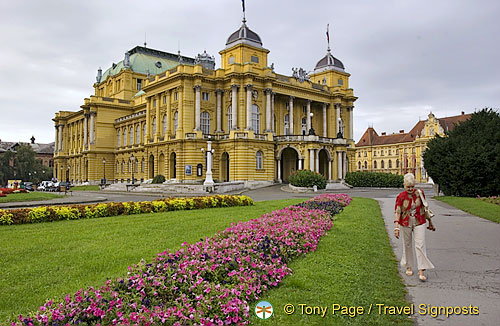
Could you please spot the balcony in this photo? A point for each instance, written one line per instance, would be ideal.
(309, 138)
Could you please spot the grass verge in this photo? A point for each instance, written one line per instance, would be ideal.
(85, 188)
(474, 206)
(30, 196)
(353, 266)
(48, 260)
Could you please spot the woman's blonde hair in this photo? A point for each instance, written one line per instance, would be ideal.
(409, 179)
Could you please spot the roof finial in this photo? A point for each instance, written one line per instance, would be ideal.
(328, 36)
(243, 4)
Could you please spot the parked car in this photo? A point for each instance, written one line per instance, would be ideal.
(63, 185)
(28, 186)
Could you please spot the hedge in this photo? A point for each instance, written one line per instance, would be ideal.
(74, 212)
(307, 178)
(374, 179)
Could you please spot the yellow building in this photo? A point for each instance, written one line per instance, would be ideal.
(154, 111)
(402, 152)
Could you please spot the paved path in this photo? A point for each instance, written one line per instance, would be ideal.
(466, 252)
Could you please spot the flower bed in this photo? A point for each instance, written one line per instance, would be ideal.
(73, 212)
(5, 191)
(210, 282)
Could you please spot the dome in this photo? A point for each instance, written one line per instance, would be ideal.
(244, 35)
(329, 62)
(206, 60)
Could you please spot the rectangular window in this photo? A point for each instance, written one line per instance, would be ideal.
(205, 96)
(254, 59)
(176, 96)
(139, 84)
(164, 99)
(154, 103)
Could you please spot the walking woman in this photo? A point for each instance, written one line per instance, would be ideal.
(409, 222)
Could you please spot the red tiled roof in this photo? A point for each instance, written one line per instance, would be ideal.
(371, 138)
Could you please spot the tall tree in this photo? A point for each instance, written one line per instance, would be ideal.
(466, 161)
(28, 167)
(6, 171)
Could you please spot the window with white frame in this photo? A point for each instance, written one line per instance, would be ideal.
(125, 136)
(138, 134)
(123, 166)
(287, 124)
(144, 132)
(164, 124)
(154, 126)
(229, 118)
(205, 96)
(303, 126)
(131, 131)
(205, 122)
(117, 167)
(176, 96)
(256, 119)
(259, 158)
(176, 121)
(119, 142)
(142, 165)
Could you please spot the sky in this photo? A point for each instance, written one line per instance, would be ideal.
(406, 58)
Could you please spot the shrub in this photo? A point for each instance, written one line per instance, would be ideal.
(158, 179)
(307, 178)
(374, 179)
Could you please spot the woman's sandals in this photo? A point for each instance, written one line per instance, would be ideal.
(409, 272)
(421, 276)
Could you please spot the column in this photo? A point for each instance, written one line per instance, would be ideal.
(234, 107)
(158, 118)
(169, 116)
(339, 165)
(279, 170)
(317, 161)
(337, 117)
(345, 167)
(272, 112)
(56, 142)
(311, 159)
(218, 94)
(61, 129)
(351, 135)
(148, 120)
(308, 117)
(290, 116)
(85, 131)
(330, 170)
(269, 118)
(325, 126)
(92, 127)
(197, 107)
(249, 106)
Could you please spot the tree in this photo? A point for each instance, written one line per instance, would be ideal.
(6, 171)
(466, 161)
(28, 168)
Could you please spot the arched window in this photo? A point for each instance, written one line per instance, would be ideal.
(229, 118)
(131, 135)
(303, 126)
(397, 163)
(366, 165)
(154, 126)
(259, 158)
(142, 165)
(382, 164)
(117, 167)
(138, 134)
(390, 164)
(125, 137)
(287, 124)
(119, 138)
(205, 122)
(176, 121)
(256, 119)
(359, 165)
(374, 164)
(123, 166)
(164, 124)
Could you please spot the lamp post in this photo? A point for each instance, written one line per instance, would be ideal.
(67, 174)
(209, 182)
(104, 163)
(132, 160)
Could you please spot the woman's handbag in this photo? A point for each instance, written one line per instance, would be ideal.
(427, 211)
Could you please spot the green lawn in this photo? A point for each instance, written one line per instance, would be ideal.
(474, 206)
(353, 266)
(30, 196)
(85, 188)
(48, 260)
